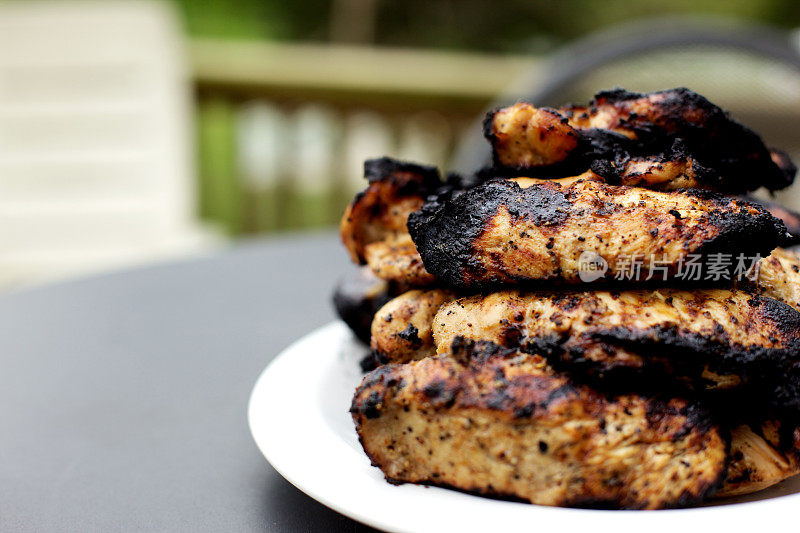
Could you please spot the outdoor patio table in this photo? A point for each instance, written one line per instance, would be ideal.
(123, 397)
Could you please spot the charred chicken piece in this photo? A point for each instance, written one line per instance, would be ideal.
(779, 277)
(509, 232)
(762, 454)
(396, 259)
(784, 163)
(373, 228)
(708, 340)
(688, 141)
(791, 219)
(670, 170)
(357, 298)
(401, 329)
(524, 136)
(501, 423)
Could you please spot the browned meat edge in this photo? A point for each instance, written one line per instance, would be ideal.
(444, 231)
(732, 158)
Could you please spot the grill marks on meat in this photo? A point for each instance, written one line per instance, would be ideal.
(500, 423)
(713, 340)
(373, 228)
(401, 329)
(502, 233)
(664, 140)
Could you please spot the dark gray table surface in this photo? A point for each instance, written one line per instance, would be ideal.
(123, 397)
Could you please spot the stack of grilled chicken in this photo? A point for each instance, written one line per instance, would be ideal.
(536, 330)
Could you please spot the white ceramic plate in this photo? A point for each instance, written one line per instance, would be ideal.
(299, 418)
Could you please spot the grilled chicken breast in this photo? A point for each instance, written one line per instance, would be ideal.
(670, 171)
(398, 321)
(667, 339)
(401, 329)
(396, 259)
(511, 232)
(621, 394)
(358, 296)
(761, 455)
(784, 163)
(373, 228)
(502, 423)
(779, 277)
(791, 219)
(688, 141)
(524, 136)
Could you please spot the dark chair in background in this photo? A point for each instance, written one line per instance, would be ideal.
(751, 71)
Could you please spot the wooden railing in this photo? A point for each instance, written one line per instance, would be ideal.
(283, 129)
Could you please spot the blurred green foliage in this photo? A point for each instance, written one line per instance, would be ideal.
(255, 19)
(496, 26)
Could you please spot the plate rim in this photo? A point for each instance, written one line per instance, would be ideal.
(281, 454)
